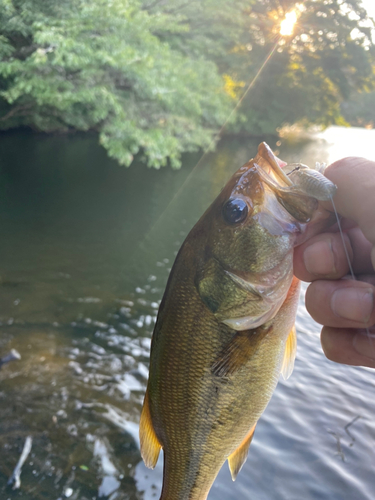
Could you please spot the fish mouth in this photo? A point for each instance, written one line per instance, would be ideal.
(273, 216)
(279, 225)
(269, 292)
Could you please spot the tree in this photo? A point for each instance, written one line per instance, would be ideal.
(310, 73)
(359, 110)
(161, 76)
(97, 64)
(329, 55)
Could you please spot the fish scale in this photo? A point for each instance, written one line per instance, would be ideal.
(225, 327)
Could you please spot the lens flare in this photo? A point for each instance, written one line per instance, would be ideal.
(287, 25)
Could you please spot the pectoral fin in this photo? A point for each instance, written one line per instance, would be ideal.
(238, 457)
(238, 351)
(289, 354)
(150, 446)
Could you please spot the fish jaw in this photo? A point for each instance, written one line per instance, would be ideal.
(252, 322)
(271, 289)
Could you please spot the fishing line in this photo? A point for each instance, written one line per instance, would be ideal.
(218, 134)
(347, 254)
(343, 241)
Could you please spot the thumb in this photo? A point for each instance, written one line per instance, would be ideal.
(355, 196)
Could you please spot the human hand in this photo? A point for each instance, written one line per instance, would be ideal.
(345, 307)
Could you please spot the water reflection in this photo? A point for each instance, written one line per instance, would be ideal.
(87, 252)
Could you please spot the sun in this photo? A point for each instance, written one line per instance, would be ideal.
(287, 25)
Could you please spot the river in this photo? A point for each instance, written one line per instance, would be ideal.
(85, 252)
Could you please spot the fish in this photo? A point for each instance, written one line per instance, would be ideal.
(225, 327)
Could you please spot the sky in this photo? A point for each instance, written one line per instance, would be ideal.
(370, 6)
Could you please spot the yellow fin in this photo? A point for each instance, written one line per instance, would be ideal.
(289, 354)
(150, 446)
(239, 456)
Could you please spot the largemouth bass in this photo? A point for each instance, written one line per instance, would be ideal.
(225, 327)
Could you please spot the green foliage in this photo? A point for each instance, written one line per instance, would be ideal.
(310, 73)
(161, 76)
(98, 65)
(359, 110)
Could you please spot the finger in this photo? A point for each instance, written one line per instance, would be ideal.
(324, 256)
(367, 278)
(361, 251)
(345, 224)
(350, 347)
(354, 199)
(341, 304)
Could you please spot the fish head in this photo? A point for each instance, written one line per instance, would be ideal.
(250, 230)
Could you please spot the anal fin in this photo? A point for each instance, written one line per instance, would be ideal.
(289, 354)
(150, 446)
(238, 457)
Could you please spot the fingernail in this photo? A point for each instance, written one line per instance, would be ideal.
(318, 258)
(355, 304)
(364, 344)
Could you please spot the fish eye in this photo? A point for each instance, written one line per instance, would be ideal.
(235, 210)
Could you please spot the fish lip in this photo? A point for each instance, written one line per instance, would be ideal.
(296, 227)
(301, 236)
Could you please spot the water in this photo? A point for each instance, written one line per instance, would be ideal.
(86, 250)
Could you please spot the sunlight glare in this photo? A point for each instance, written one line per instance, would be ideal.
(287, 25)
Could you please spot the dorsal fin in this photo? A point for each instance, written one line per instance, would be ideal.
(238, 457)
(150, 446)
(289, 354)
